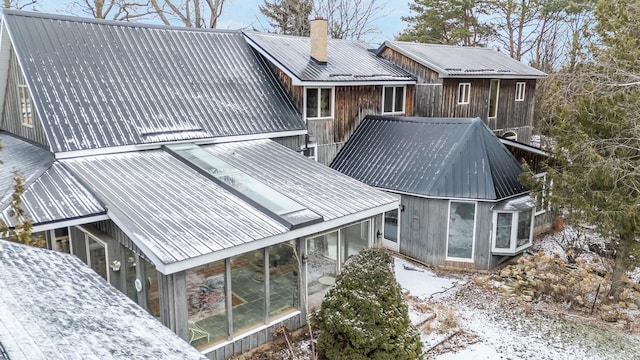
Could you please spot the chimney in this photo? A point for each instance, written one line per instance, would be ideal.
(319, 39)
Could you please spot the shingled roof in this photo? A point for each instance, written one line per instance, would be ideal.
(444, 158)
(463, 61)
(98, 84)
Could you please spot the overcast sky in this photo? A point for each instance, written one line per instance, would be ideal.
(239, 14)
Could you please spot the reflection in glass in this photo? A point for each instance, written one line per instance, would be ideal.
(322, 258)
(388, 99)
(461, 221)
(98, 257)
(248, 290)
(391, 226)
(399, 99)
(283, 279)
(353, 239)
(325, 103)
(153, 297)
(524, 228)
(206, 304)
(312, 103)
(503, 231)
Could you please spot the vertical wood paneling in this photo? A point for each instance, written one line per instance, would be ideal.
(292, 142)
(353, 103)
(428, 100)
(422, 73)
(482, 246)
(11, 114)
(295, 92)
(423, 229)
(478, 105)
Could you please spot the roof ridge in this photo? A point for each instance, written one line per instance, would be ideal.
(80, 19)
(441, 45)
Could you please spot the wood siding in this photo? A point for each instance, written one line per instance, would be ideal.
(295, 92)
(423, 74)
(11, 114)
(292, 142)
(423, 233)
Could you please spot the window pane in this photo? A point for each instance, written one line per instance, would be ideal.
(503, 231)
(493, 98)
(98, 258)
(524, 228)
(312, 103)
(283, 278)
(206, 304)
(325, 103)
(153, 297)
(399, 99)
(461, 220)
(129, 267)
(248, 291)
(388, 99)
(391, 226)
(322, 257)
(353, 239)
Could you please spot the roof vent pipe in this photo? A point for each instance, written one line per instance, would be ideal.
(319, 29)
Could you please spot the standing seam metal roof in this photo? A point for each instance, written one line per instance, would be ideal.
(450, 158)
(99, 84)
(348, 61)
(463, 61)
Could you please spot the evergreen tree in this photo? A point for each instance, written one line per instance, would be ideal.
(289, 17)
(21, 232)
(364, 316)
(452, 22)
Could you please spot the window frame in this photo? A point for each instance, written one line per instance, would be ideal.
(547, 185)
(332, 99)
(513, 239)
(521, 87)
(464, 93)
(393, 104)
(473, 240)
(24, 102)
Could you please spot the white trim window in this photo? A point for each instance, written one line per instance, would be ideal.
(461, 230)
(318, 102)
(25, 106)
(494, 95)
(520, 89)
(393, 100)
(542, 200)
(464, 93)
(512, 231)
(310, 151)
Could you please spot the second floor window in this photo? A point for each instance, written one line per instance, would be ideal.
(494, 89)
(393, 100)
(319, 102)
(520, 87)
(26, 111)
(464, 93)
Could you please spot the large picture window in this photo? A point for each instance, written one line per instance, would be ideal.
(319, 103)
(393, 100)
(461, 231)
(206, 304)
(513, 231)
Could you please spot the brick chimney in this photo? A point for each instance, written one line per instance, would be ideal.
(319, 29)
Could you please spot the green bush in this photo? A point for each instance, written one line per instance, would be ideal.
(364, 316)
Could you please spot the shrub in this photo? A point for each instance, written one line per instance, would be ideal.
(365, 316)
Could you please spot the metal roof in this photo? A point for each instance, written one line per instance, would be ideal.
(171, 211)
(99, 83)
(464, 61)
(348, 61)
(54, 307)
(447, 158)
(320, 188)
(18, 155)
(56, 196)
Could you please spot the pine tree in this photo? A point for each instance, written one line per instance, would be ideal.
(21, 232)
(289, 17)
(365, 316)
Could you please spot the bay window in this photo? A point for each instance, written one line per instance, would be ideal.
(512, 227)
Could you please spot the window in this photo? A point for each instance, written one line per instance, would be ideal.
(513, 231)
(319, 103)
(461, 231)
(393, 100)
(520, 86)
(310, 151)
(494, 89)
(25, 106)
(464, 93)
(542, 199)
(391, 226)
(207, 303)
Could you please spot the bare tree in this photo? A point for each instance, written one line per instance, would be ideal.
(18, 4)
(350, 19)
(121, 10)
(192, 13)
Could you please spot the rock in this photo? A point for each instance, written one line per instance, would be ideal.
(527, 298)
(637, 302)
(529, 293)
(632, 306)
(609, 317)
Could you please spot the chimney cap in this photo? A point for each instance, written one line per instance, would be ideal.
(318, 18)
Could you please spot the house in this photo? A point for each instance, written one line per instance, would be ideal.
(461, 203)
(334, 84)
(469, 82)
(164, 158)
(52, 306)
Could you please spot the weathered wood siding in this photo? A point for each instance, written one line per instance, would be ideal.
(173, 303)
(295, 92)
(515, 115)
(254, 340)
(11, 114)
(478, 105)
(292, 142)
(423, 232)
(427, 97)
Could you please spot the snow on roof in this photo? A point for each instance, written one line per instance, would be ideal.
(52, 306)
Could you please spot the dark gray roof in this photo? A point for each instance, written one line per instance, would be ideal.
(54, 307)
(462, 61)
(347, 61)
(51, 192)
(100, 84)
(448, 158)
